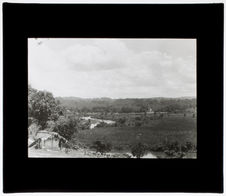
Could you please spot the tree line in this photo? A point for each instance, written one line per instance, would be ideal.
(128, 105)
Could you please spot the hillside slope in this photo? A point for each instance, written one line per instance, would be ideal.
(128, 105)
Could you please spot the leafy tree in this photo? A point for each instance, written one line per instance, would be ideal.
(138, 150)
(101, 147)
(121, 121)
(143, 108)
(66, 126)
(42, 106)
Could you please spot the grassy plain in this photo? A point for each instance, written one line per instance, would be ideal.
(175, 128)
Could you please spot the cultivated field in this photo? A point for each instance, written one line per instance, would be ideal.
(154, 133)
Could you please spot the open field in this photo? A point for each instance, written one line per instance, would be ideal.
(169, 129)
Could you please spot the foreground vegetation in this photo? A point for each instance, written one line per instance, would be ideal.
(168, 134)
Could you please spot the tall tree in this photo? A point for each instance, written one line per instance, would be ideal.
(66, 126)
(42, 106)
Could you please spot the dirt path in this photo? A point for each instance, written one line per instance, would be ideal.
(55, 154)
(81, 153)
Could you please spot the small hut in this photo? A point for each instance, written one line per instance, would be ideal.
(49, 140)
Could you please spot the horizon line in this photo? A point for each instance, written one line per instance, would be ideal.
(125, 98)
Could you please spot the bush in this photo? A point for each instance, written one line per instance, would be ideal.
(66, 126)
(189, 146)
(173, 150)
(170, 153)
(173, 154)
(138, 150)
(184, 149)
(173, 146)
(101, 147)
(121, 121)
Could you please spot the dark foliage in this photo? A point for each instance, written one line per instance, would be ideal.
(128, 105)
(138, 150)
(102, 147)
(65, 126)
(42, 106)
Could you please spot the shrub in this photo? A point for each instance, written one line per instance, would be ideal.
(66, 127)
(101, 147)
(173, 146)
(173, 154)
(125, 155)
(138, 150)
(189, 146)
(121, 121)
(184, 148)
(170, 153)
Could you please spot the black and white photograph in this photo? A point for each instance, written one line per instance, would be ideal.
(112, 98)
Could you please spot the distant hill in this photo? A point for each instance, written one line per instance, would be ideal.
(128, 105)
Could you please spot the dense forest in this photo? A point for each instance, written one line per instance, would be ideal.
(128, 105)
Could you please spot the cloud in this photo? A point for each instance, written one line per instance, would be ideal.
(110, 68)
(100, 55)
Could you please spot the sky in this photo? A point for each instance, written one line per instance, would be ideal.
(115, 68)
